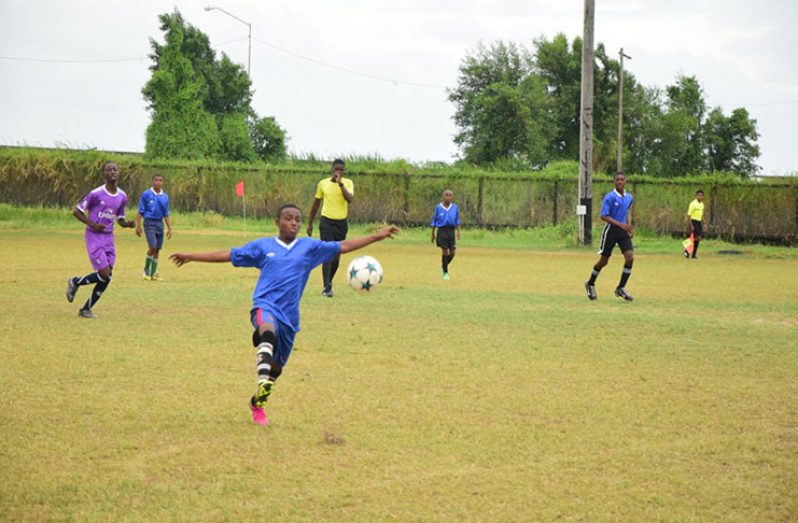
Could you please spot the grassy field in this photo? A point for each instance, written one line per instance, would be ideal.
(501, 395)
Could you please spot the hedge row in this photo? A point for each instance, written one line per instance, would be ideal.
(737, 209)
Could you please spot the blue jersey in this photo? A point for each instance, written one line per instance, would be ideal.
(616, 206)
(153, 205)
(444, 217)
(284, 270)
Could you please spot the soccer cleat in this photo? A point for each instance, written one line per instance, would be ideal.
(445, 276)
(72, 288)
(591, 291)
(327, 293)
(621, 293)
(155, 277)
(258, 413)
(86, 313)
(686, 254)
(147, 276)
(695, 257)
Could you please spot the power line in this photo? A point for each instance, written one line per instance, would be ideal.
(71, 61)
(92, 60)
(346, 70)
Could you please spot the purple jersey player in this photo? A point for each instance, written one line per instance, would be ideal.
(99, 210)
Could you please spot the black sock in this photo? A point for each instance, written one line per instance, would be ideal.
(445, 263)
(627, 271)
(333, 270)
(695, 247)
(325, 276)
(94, 277)
(96, 293)
(593, 276)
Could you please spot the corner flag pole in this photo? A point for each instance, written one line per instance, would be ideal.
(240, 194)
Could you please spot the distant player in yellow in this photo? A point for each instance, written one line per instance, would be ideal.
(695, 217)
(334, 194)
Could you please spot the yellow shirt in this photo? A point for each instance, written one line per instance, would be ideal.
(334, 206)
(696, 210)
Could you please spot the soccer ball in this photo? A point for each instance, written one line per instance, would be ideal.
(364, 273)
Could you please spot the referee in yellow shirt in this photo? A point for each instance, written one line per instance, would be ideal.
(695, 215)
(336, 194)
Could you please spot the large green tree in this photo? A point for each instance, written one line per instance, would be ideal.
(224, 90)
(731, 141)
(501, 107)
(180, 127)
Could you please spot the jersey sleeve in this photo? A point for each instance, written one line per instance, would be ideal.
(86, 202)
(319, 190)
(605, 205)
(248, 255)
(323, 251)
(142, 204)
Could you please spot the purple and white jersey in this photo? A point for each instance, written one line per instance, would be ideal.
(103, 207)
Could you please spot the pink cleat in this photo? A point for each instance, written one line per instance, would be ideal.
(259, 415)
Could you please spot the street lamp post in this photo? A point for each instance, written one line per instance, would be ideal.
(249, 51)
(619, 162)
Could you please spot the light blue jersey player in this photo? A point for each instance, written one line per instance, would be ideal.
(285, 263)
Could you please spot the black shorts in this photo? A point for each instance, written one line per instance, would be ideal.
(698, 228)
(612, 236)
(445, 239)
(332, 230)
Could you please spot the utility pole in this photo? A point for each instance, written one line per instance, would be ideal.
(249, 36)
(619, 165)
(584, 208)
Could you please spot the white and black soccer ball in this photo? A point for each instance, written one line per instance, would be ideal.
(364, 273)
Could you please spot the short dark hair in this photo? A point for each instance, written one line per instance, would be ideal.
(619, 173)
(287, 206)
(105, 164)
(157, 175)
(338, 161)
(701, 191)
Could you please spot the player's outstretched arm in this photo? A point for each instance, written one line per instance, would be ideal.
(182, 258)
(358, 243)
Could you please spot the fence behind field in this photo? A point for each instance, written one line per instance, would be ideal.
(736, 210)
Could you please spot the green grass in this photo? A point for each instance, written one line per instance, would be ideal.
(501, 395)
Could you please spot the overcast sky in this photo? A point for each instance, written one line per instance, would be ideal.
(72, 71)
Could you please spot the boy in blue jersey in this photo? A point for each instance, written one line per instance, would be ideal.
(446, 218)
(617, 230)
(285, 262)
(154, 207)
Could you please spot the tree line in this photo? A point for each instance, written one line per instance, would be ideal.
(516, 108)
(521, 106)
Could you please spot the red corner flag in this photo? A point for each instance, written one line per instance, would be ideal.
(240, 189)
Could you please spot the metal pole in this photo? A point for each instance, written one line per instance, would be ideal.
(584, 208)
(619, 159)
(249, 25)
(249, 53)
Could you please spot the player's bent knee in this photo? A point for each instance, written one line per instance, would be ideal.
(276, 370)
(266, 336)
